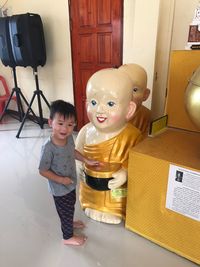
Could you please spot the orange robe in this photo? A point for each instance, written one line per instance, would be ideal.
(141, 120)
(115, 150)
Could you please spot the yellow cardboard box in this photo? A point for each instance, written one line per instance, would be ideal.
(175, 228)
(161, 206)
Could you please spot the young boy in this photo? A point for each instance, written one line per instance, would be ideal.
(57, 164)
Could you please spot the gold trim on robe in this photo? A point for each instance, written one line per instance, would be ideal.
(114, 150)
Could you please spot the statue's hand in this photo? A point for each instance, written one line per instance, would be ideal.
(80, 170)
(119, 178)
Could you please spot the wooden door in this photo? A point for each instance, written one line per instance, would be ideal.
(96, 42)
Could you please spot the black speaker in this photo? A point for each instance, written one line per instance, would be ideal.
(6, 53)
(25, 40)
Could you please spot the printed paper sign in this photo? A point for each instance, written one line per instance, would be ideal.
(183, 192)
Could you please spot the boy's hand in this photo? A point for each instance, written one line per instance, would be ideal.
(66, 181)
(92, 162)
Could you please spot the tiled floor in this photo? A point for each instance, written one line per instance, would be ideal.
(30, 232)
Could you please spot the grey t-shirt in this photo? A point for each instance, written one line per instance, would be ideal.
(61, 161)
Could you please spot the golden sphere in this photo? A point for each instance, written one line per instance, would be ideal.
(192, 98)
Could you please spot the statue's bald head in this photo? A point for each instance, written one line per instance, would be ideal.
(111, 80)
(138, 76)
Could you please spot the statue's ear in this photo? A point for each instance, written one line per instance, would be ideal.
(131, 110)
(146, 94)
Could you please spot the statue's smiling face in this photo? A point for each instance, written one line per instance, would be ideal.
(107, 103)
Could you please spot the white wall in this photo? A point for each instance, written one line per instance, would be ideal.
(175, 17)
(184, 12)
(55, 78)
(140, 35)
(166, 15)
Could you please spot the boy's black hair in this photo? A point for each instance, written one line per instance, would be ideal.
(63, 108)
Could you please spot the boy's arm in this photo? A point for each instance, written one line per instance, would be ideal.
(83, 159)
(56, 178)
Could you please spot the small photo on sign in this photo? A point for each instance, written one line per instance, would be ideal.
(179, 176)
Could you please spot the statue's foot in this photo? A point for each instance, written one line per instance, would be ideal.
(101, 216)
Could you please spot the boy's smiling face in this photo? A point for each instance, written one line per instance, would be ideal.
(61, 127)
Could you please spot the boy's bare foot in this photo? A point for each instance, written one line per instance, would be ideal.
(78, 224)
(75, 240)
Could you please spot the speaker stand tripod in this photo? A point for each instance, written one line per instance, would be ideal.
(38, 94)
(19, 114)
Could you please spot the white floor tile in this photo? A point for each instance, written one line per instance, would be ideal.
(30, 231)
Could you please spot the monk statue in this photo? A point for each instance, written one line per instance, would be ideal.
(142, 117)
(107, 138)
